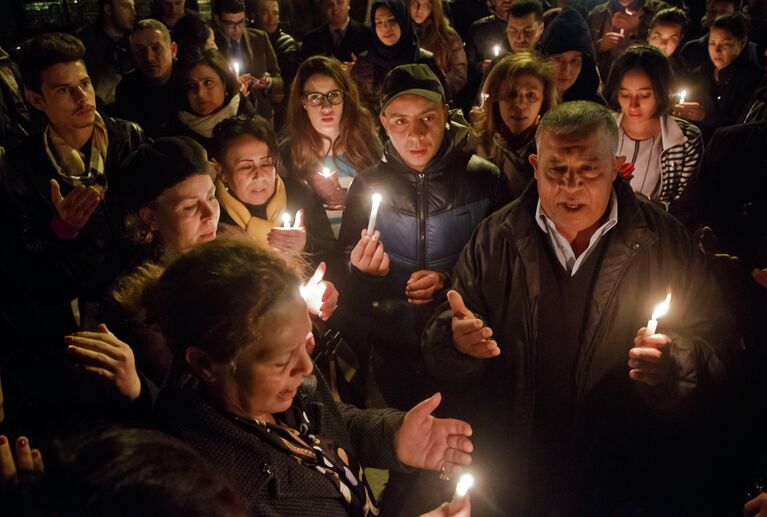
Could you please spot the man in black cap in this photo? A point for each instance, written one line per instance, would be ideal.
(434, 193)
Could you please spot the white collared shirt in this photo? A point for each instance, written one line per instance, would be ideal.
(561, 246)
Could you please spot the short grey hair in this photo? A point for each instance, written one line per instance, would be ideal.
(153, 25)
(579, 117)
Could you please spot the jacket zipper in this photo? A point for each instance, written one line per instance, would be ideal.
(421, 209)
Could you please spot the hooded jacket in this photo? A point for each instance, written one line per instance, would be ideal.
(499, 278)
(570, 32)
(425, 219)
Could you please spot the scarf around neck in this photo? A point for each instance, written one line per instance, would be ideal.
(203, 126)
(69, 163)
(256, 228)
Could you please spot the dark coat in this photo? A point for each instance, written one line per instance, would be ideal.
(259, 58)
(272, 482)
(319, 41)
(726, 101)
(66, 269)
(694, 53)
(498, 275)
(15, 123)
(288, 55)
(600, 22)
(424, 220)
(107, 61)
(150, 106)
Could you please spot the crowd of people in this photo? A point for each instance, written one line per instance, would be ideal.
(264, 263)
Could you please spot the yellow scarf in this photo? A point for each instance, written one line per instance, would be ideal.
(69, 162)
(255, 227)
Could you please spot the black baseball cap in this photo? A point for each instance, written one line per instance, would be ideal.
(411, 79)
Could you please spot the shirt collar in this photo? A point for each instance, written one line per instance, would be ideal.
(343, 27)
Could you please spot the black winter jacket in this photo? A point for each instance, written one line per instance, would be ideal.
(273, 483)
(498, 275)
(425, 219)
(64, 268)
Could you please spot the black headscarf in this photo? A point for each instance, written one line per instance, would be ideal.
(406, 49)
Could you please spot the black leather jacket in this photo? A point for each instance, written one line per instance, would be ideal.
(65, 268)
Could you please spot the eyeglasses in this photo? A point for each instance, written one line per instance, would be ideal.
(334, 97)
(232, 24)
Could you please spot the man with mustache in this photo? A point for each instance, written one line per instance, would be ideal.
(55, 181)
(572, 404)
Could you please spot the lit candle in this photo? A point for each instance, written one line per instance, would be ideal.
(374, 212)
(660, 310)
(497, 50)
(682, 96)
(286, 221)
(482, 98)
(325, 172)
(465, 482)
(621, 32)
(313, 290)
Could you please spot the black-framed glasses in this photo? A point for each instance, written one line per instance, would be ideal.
(334, 97)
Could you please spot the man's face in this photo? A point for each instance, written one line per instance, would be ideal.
(718, 8)
(66, 96)
(501, 8)
(575, 174)
(268, 15)
(172, 9)
(665, 38)
(153, 54)
(122, 13)
(416, 127)
(336, 12)
(567, 68)
(232, 25)
(524, 33)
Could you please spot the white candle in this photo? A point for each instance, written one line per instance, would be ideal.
(374, 212)
(621, 32)
(286, 221)
(682, 96)
(313, 290)
(465, 482)
(325, 172)
(497, 50)
(482, 98)
(660, 310)
(236, 66)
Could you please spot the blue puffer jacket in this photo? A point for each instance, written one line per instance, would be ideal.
(425, 220)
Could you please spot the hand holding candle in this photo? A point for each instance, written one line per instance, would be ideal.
(321, 297)
(287, 238)
(650, 360)
(327, 186)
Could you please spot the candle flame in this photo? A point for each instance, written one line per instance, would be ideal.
(662, 308)
(377, 198)
(497, 50)
(326, 172)
(286, 219)
(465, 482)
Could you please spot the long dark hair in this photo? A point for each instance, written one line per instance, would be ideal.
(357, 136)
